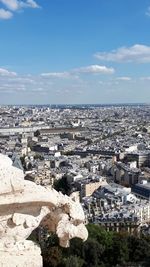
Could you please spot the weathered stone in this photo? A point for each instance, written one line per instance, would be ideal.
(23, 207)
(25, 254)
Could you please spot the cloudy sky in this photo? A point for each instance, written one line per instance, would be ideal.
(74, 51)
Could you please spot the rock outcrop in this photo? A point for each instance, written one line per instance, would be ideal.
(23, 207)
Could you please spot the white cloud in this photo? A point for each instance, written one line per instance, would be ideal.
(146, 78)
(17, 4)
(37, 89)
(29, 3)
(11, 4)
(4, 72)
(136, 53)
(124, 78)
(56, 74)
(11, 82)
(148, 12)
(5, 14)
(95, 69)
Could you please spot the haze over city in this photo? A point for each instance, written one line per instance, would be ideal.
(74, 52)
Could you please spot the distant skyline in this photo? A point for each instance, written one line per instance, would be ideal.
(74, 51)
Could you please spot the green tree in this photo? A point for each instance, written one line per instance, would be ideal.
(62, 185)
(73, 261)
(102, 249)
(38, 156)
(100, 234)
(75, 248)
(139, 249)
(92, 252)
(37, 133)
(118, 254)
(52, 257)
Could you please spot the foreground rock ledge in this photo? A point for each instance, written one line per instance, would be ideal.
(29, 254)
(23, 207)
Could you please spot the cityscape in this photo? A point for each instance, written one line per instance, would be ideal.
(102, 152)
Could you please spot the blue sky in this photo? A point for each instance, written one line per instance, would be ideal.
(74, 51)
